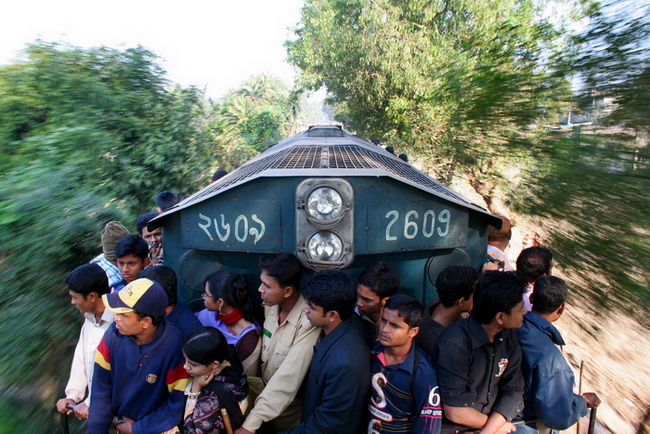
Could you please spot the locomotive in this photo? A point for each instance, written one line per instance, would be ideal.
(334, 199)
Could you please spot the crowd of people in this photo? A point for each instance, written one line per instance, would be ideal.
(331, 355)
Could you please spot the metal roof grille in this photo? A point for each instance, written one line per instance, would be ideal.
(354, 153)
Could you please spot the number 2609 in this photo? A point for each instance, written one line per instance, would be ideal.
(412, 224)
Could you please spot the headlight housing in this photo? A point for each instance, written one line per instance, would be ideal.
(324, 223)
(325, 246)
(325, 204)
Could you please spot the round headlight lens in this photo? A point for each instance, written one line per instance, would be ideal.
(325, 246)
(325, 203)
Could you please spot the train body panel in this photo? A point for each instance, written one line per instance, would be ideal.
(334, 199)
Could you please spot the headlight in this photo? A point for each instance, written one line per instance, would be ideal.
(325, 246)
(325, 203)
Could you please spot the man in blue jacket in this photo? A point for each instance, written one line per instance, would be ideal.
(139, 379)
(339, 375)
(549, 380)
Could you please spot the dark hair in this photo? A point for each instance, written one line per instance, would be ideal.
(88, 278)
(496, 292)
(166, 199)
(142, 221)
(505, 233)
(218, 174)
(155, 319)
(206, 345)
(548, 294)
(380, 278)
(456, 282)
(534, 262)
(166, 277)
(283, 267)
(131, 245)
(403, 157)
(408, 308)
(233, 289)
(333, 290)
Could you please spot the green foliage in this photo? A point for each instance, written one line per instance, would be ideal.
(48, 226)
(109, 113)
(251, 118)
(594, 190)
(458, 82)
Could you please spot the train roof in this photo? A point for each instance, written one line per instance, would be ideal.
(329, 147)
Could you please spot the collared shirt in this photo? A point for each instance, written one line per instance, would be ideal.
(549, 379)
(529, 290)
(404, 397)
(287, 350)
(115, 279)
(430, 330)
(83, 362)
(497, 253)
(474, 372)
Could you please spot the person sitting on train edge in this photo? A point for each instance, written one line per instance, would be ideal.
(86, 285)
(176, 312)
(336, 390)
(139, 376)
(229, 308)
(165, 200)
(376, 284)
(111, 233)
(455, 285)
(404, 388)
(287, 345)
(132, 256)
(533, 263)
(498, 241)
(549, 380)
(478, 359)
(153, 238)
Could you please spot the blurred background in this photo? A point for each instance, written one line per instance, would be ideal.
(537, 110)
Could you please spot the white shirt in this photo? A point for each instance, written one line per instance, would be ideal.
(83, 362)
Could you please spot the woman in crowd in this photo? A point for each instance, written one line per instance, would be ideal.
(229, 308)
(218, 383)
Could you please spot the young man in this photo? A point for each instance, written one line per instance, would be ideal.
(533, 263)
(404, 388)
(549, 380)
(153, 238)
(165, 200)
(139, 377)
(478, 359)
(111, 233)
(176, 313)
(455, 286)
(375, 285)
(86, 285)
(132, 256)
(287, 345)
(337, 384)
(498, 241)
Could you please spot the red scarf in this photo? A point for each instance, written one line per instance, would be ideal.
(232, 317)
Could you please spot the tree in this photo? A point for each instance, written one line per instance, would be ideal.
(115, 106)
(461, 83)
(252, 117)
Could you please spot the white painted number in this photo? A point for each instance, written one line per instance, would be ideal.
(411, 228)
(241, 232)
(410, 225)
(395, 216)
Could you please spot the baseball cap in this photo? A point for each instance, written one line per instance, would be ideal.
(111, 234)
(143, 295)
